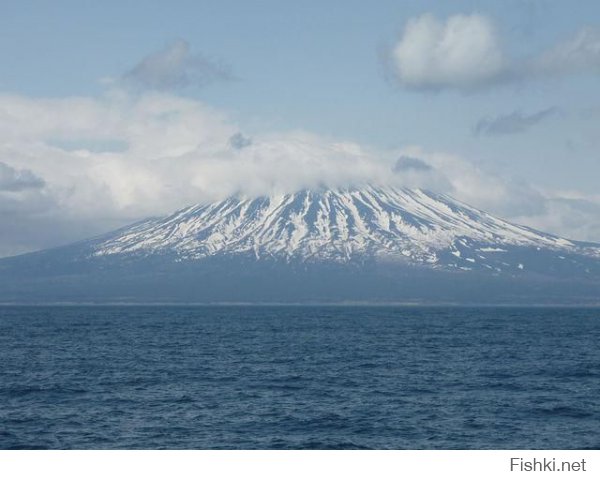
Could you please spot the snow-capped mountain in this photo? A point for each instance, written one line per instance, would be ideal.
(387, 224)
(342, 245)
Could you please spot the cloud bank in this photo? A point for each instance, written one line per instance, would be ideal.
(465, 53)
(178, 151)
(67, 181)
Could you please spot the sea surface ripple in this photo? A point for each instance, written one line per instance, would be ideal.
(286, 377)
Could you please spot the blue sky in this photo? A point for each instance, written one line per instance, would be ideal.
(328, 69)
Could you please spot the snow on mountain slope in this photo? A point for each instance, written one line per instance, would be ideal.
(386, 224)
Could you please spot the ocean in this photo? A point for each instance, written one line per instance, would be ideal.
(299, 377)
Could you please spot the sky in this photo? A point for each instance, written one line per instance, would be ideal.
(115, 111)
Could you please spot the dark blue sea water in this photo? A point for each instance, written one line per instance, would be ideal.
(299, 377)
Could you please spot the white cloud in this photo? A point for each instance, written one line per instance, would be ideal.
(464, 52)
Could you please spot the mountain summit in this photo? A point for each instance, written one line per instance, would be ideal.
(367, 244)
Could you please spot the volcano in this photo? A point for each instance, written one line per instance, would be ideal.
(370, 244)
